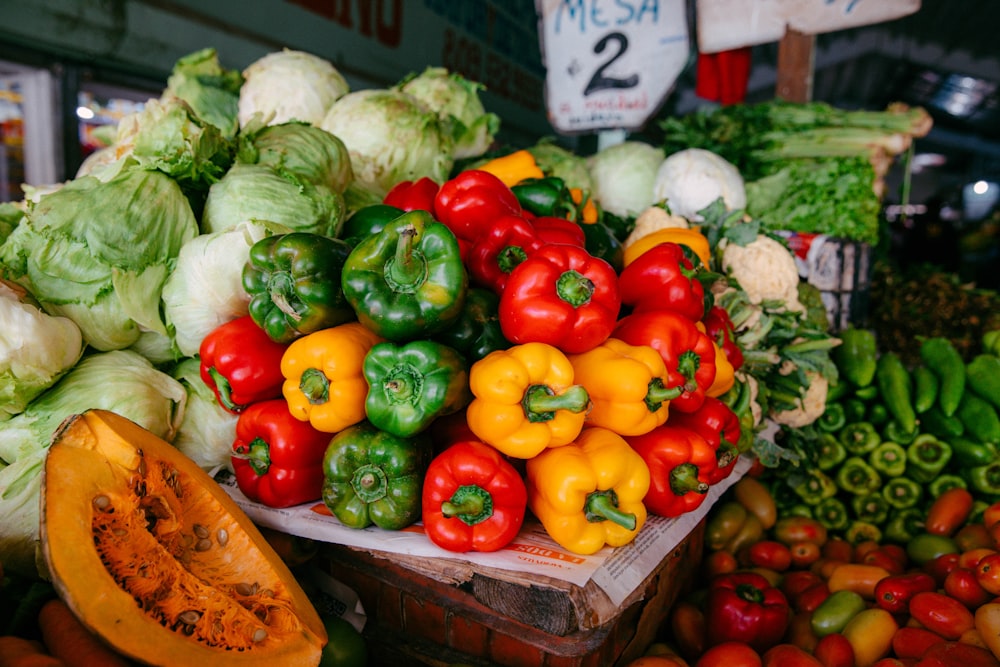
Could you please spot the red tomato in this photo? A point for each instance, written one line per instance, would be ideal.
(948, 511)
(687, 625)
(963, 585)
(729, 654)
(796, 581)
(973, 536)
(811, 597)
(909, 642)
(957, 654)
(884, 559)
(804, 553)
(833, 650)
(940, 567)
(789, 655)
(988, 573)
(838, 548)
(894, 593)
(970, 559)
(991, 514)
(941, 613)
(770, 554)
(719, 562)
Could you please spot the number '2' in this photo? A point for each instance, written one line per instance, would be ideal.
(599, 81)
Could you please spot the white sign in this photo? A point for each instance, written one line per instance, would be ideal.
(730, 24)
(610, 63)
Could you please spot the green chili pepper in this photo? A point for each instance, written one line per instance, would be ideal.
(926, 457)
(895, 432)
(944, 360)
(368, 220)
(979, 417)
(982, 375)
(968, 453)
(868, 393)
(902, 492)
(945, 482)
(862, 531)
(856, 356)
(889, 458)
(877, 414)
(859, 437)
(782, 492)
(412, 384)
(829, 452)
(854, 410)
(812, 485)
(832, 419)
(857, 477)
(925, 388)
(832, 513)
(985, 479)
(294, 284)
(408, 280)
(837, 391)
(374, 477)
(991, 342)
(600, 241)
(895, 386)
(477, 330)
(870, 507)
(547, 196)
(904, 525)
(800, 509)
(936, 423)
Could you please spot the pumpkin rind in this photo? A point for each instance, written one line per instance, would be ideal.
(153, 556)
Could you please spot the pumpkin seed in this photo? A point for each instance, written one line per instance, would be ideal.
(259, 635)
(243, 588)
(203, 545)
(142, 465)
(222, 537)
(101, 502)
(189, 617)
(200, 531)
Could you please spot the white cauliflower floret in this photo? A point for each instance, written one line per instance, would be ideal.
(811, 406)
(691, 179)
(765, 269)
(654, 219)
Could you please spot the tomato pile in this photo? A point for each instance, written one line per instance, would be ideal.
(785, 591)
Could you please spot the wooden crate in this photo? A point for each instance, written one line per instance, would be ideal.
(440, 612)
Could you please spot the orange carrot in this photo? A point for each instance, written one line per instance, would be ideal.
(67, 638)
(20, 652)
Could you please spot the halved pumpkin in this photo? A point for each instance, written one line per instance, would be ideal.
(153, 556)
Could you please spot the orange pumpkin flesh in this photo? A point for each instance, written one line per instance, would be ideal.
(154, 557)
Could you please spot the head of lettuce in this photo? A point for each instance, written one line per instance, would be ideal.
(99, 252)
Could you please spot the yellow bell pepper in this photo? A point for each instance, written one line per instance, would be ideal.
(692, 238)
(324, 380)
(725, 374)
(513, 167)
(627, 386)
(587, 207)
(526, 400)
(589, 494)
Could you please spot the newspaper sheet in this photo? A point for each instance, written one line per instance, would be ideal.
(617, 571)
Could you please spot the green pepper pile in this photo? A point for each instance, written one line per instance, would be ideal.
(893, 437)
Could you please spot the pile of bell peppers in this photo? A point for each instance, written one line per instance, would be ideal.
(893, 438)
(470, 351)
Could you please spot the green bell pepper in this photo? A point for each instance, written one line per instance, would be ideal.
(854, 410)
(367, 221)
(477, 330)
(412, 384)
(546, 196)
(856, 476)
(374, 477)
(945, 482)
(832, 513)
(862, 531)
(985, 479)
(870, 507)
(830, 453)
(294, 284)
(877, 414)
(904, 525)
(926, 457)
(895, 432)
(902, 492)
(970, 454)
(812, 485)
(407, 281)
(600, 241)
(833, 418)
(859, 437)
(889, 458)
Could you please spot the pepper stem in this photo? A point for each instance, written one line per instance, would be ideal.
(510, 257)
(403, 385)
(603, 506)
(315, 386)
(657, 393)
(687, 365)
(370, 483)
(749, 592)
(574, 288)
(407, 269)
(281, 286)
(541, 402)
(684, 478)
(224, 389)
(470, 503)
(258, 455)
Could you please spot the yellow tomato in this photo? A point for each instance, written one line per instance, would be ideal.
(870, 634)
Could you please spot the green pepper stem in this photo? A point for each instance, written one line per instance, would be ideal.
(749, 592)
(224, 389)
(279, 287)
(258, 455)
(315, 386)
(684, 478)
(603, 506)
(657, 393)
(540, 402)
(509, 257)
(470, 503)
(370, 483)
(574, 288)
(407, 268)
(687, 365)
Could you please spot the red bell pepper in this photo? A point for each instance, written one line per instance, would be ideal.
(719, 326)
(471, 200)
(680, 463)
(687, 351)
(561, 295)
(745, 607)
(413, 195)
(559, 230)
(278, 459)
(504, 243)
(241, 364)
(663, 278)
(720, 426)
(473, 498)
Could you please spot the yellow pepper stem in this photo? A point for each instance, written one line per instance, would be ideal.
(603, 506)
(540, 402)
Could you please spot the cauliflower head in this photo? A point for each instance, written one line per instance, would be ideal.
(765, 269)
(810, 408)
(653, 219)
(691, 179)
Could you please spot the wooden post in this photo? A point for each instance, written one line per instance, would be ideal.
(796, 53)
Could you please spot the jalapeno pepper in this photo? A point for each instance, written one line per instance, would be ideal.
(856, 356)
(935, 422)
(982, 375)
(925, 388)
(940, 355)
(896, 389)
(979, 417)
